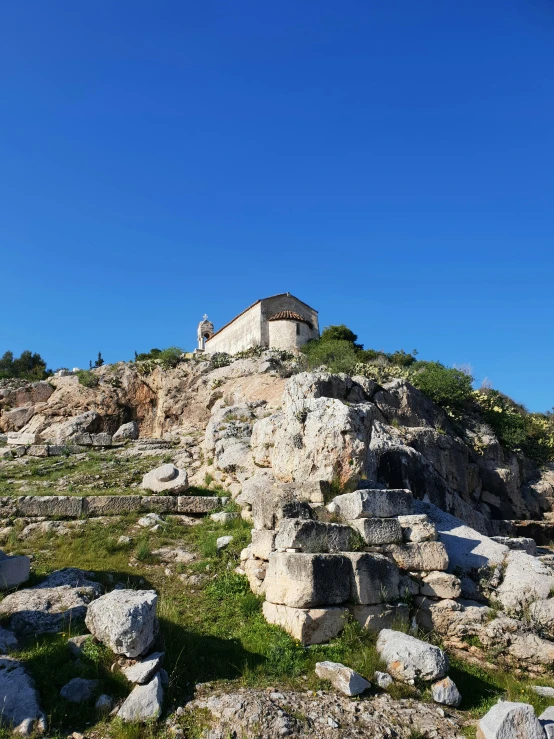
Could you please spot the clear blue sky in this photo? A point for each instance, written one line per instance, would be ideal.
(390, 163)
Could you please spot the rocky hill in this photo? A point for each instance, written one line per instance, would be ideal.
(250, 546)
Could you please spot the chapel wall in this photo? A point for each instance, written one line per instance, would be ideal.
(271, 306)
(243, 333)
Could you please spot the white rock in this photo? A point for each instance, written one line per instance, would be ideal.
(507, 720)
(441, 585)
(343, 678)
(547, 721)
(150, 520)
(223, 542)
(144, 703)
(19, 699)
(417, 528)
(127, 431)
(423, 556)
(142, 671)
(383, 679)
(408, 658)
(166, 479)
(124, 620)
(308, 625)
(373, 504)
(307, 580)
(543, 690)
(445, 691)
(263, 543)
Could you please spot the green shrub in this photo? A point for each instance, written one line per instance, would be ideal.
(448, 387)
(338, 355)
(87, 378)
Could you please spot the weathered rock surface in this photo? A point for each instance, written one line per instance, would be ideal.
(62, 598)
(377, 531)
(308, 625)
(343, 678)
(19, 699)
(445, 691)
(144, 703)
(124, 620)
(374, 579)
(507, 720)
(385, 616)
(372, 504)
(127, 431)
(79, 690)
(142, 671)
(408, 658)
(314, 536)
(425, 555)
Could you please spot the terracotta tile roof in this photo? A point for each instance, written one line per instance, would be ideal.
(287, 315)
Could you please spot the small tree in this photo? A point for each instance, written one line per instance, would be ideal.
(99, 362)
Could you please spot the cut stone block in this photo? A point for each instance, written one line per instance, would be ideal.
(18, 437)
(373, 504)
(423, 556)
(108, 505)
(417, 528)
(386, 616)
(159, 503)
(263, 543)
(343, 678)
(50, 506)
(308, 625)
(102, 439)
(38, 450)
(307, 580)
(314, 536)
(445, 692)
(378, 531)
(374, 578)
(192, 504)
(13, 570)
(441, 585)
(144, 703)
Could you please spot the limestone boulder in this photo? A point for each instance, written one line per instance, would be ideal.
(142, 671)
(166, 479)
(20, 701)
(308, 625)
(144, 703)
(547, 721)
(124, 620)
(8, 641)
(399, 401)
(126, 432)
(306, 580)
(263, 543)
(445, 691)
(87, 422)
(510, 720)
(343, 678)
(408, 658)
(314, 536)
(541, 616)
(372, 504)
(373, 578)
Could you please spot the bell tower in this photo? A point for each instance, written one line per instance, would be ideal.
(205, 331)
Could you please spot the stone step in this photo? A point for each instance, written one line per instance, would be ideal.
(73, 506)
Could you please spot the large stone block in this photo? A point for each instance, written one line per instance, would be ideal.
(374, 578)
(159, 503)
(417, 528)
(51, 506)
(124, 620)
(18, 437)
(386, 616)
(510, 720)
(307, 580)
(423, 556)
(315, 536)
(343, 678)
(126, 431)
(111, 505)
(38, 450)
(378, 531)
(263, 543)
(308, 625)
(102, 439)
(13, 570)
(408, 658)
(198, 504)
(441, 585)
(372, 504)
